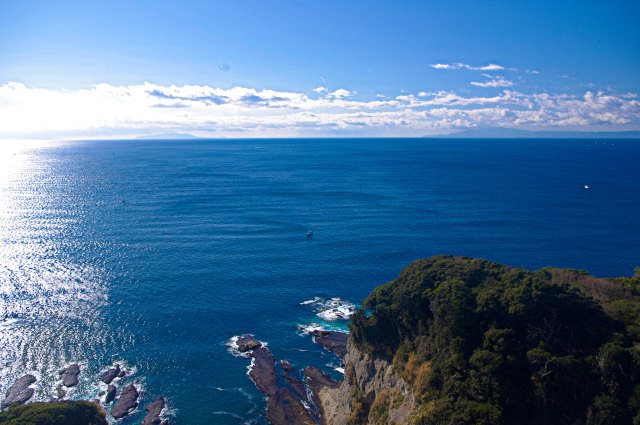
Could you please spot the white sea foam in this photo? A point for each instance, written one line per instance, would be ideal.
(250, 367)
(233, 415)
(331, 309)
(307, 329)
(307, 302)
(7, 322)
(233, 347)
(167, 412)
(339, 369)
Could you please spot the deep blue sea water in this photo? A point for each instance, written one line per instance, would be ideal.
(155, 253)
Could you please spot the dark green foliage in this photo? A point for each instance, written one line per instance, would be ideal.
(57, 413)
(484, 343)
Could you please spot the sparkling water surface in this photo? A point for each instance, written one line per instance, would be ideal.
(155, 253)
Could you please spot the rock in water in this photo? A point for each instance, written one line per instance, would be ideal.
(316, 378)
(111, 374)
(19, 392)
(155, 409)
(128, 401)
(333, 341)
(61, 392)
(288, 409)
(70, 375)
(283, 407)
(111, 394)
(247, 343)
(263, 371)
(286, 366)
(296, 384)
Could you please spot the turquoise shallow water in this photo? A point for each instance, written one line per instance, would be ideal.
(210, 242)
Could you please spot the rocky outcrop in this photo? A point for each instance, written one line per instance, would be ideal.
(126, 403)
(263, 371)
(111, 374)
(69, 375)
(111, 394)
(61, 392)
(317, 380)
(19, 392)
(286, 366)
(247, 343)
(154, 410)
(283, 407)
(333, 341)
(375, 381)
(296, 384)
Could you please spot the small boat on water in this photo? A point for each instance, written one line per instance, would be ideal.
(310, 233)
(586, 186)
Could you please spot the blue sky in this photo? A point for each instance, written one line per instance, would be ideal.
(315, 68)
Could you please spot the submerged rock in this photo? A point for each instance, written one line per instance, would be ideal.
(111, 394)
(155, 409)
(126, 403)
(69, 375)
(247, 343)
(111, 374)
(286, 366)
(333, 341)
(19, 392)
(61, 392)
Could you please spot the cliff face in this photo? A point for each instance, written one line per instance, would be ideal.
(371, 393)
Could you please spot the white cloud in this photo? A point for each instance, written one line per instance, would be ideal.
(494, 82)
(340, 93)
(320, 89)
(104, 111)
(490, 67)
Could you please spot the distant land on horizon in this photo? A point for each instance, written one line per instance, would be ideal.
(168, 136)
(475, 133)
(512, 133)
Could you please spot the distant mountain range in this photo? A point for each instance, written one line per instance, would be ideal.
(473, 133)
(509, 133)
(168, 136)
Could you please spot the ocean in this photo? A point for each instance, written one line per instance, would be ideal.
(154, 254)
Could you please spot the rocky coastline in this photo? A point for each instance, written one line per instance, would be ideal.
(291, 399)
(20, 393)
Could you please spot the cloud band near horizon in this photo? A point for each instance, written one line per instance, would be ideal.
(108, 111)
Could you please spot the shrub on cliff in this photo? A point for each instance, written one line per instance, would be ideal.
(485, 343)
(57, 413)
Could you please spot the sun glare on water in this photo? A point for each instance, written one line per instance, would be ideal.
(48, 301)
